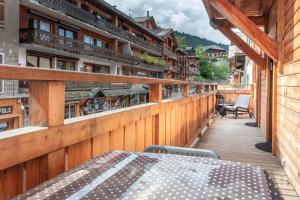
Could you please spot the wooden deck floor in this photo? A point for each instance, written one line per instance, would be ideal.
(235, 141)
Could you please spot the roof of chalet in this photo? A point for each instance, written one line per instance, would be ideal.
(142, 19)
(165, 32)
(215, 47)
(93, 92)
(106, 6)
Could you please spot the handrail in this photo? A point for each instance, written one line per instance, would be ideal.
(84, 16)
(15, 72)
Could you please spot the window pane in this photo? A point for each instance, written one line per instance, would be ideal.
(1, 58)
(61, 64)
(32, 61)
(45, 63)
(44, 26)
(87, 39)
(61, 32)
(98, 43)
(1, 86)
(70, 66)
(69, 34)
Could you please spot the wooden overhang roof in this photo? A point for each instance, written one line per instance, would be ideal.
(250, 8)
(248, 16)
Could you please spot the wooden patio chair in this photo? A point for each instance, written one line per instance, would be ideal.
(240, 106)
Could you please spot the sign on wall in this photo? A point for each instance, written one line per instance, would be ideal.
(6, 110)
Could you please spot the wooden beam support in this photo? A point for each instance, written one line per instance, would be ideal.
(46, 103)
(242, 45)
(155, 93)
(208, 8)
(258, 20)
(186, 90)
(237, 18)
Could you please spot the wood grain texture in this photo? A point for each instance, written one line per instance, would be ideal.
(38, 74)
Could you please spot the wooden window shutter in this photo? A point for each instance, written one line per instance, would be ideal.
(2, 13)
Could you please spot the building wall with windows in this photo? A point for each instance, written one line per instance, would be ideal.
(9, 37)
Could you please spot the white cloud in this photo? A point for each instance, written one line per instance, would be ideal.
(187, 16)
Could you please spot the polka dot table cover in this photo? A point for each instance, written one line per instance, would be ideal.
(125, 175)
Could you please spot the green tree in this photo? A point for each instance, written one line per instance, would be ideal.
(181, 41)
(211, 68)
(205, 63)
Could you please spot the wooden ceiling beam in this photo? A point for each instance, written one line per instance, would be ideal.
(240, 21)
(266, 7)
(258, 20)
(208, 9)
(242, 45)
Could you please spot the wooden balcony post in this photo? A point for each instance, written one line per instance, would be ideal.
(155, 93)
(185, 90)
(46, 103)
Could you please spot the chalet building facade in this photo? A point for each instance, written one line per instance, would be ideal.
(170, 45)
(215, 51)
(179, 63)
(75, 35)
(188, 64)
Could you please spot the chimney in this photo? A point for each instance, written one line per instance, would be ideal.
(148, 14)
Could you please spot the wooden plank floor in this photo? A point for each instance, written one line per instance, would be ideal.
(235, 141)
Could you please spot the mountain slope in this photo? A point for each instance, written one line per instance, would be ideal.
(195, 41)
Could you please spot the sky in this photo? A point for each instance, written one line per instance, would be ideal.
(187, 16)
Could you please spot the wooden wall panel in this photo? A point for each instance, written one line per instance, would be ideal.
(117, 139)
(140, 135)
(168, 128)
(56, 162)
(101, 144)
(149, 131)
(11, 182)
(36, 171)
(130, 137)
(79, 153)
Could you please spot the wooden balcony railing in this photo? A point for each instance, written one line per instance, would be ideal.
(55, 41)
(51, 40)
(169, 53)
(52, 145)
(72, 10)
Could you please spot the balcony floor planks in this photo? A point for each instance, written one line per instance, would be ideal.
(234, 141)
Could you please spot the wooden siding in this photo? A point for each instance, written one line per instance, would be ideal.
(288, 96)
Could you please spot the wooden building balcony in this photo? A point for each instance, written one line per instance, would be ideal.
(77, 13)
(54, 41)
(169, 53)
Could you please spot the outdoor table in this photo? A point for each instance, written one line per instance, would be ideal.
(127, 175)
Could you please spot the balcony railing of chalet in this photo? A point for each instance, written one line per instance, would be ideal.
(52, 40)
(52, 145)
(169, 53)
(55, 41)
(73, 11)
